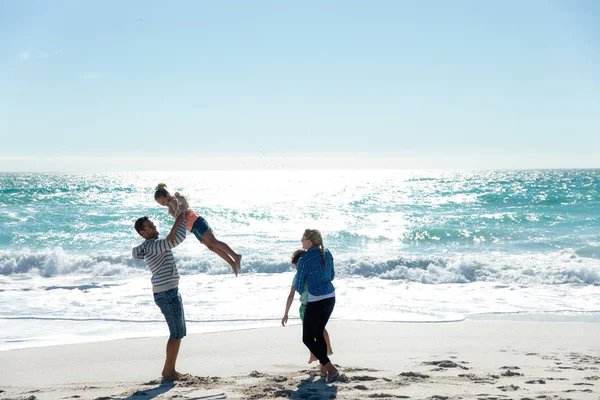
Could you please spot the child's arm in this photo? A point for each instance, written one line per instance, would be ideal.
(176, 225)
(288, 304)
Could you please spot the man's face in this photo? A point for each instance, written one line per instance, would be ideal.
(149, 231)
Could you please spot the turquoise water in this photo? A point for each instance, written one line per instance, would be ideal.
(387, 218)
(423, 246)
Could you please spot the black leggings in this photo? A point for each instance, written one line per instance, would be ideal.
(315, 318)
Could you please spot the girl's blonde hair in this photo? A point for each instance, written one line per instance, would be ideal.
(317, 240)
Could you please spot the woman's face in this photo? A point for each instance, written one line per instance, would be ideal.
(306, 244)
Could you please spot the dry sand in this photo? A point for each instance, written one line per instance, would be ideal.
(461, 360)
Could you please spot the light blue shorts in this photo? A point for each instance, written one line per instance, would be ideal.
(171, 306)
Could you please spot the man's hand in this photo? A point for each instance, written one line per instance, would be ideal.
(284, 320)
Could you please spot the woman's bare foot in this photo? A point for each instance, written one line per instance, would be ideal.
(312, 358)
(332, 373)
(322, 372)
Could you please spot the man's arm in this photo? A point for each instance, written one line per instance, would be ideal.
(138, 252)
(162, 245)
(180, 218)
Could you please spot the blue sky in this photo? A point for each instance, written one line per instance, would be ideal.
(443, 84)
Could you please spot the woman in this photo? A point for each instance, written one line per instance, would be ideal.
(316, 267)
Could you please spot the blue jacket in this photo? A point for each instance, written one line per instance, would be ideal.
(312, 269)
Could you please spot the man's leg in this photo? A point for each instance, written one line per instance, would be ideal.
(171, 306)
(169, 373)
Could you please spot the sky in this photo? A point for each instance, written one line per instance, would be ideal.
(149, 85)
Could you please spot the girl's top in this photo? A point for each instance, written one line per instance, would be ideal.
(179, 204)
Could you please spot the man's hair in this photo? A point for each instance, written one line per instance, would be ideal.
(139, 224)
(297, 254)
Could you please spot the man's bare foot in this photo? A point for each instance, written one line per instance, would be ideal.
(312, 358)
(175, 376)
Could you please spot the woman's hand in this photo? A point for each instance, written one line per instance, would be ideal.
(284, 320)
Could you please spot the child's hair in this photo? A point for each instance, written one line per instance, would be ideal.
(297, 254)
(315, 237)
(161, 191)
(139, 224)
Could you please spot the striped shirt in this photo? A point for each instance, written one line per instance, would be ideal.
(312, 269)
(158, 255)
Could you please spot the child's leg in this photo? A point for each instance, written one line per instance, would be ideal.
(222, 254)
(328, 342)
(211, 241)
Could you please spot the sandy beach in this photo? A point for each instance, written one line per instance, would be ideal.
(462, 360)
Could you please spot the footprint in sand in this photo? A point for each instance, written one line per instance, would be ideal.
(509, 388)
(363, 378)
(414, 375)
(540, 381)
(508, 372)
(445, 364)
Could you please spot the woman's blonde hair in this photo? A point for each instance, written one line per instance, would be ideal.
(317, 240)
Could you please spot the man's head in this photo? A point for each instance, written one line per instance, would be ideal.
(146, 228)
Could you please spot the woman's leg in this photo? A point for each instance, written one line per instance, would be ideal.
(316, 317)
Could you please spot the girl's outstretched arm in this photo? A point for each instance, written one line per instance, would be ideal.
(288, 304)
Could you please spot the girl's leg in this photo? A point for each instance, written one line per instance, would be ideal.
(221, 254)
(328, 342)
(211, 241)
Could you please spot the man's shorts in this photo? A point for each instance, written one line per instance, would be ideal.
(171, 306)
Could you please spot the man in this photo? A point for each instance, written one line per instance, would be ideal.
(165, 282)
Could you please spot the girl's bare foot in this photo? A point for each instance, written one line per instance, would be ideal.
(238, 262)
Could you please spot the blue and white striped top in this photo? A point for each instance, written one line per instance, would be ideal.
(158, 255)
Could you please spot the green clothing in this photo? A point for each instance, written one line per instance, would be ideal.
(304, 294)
(303, 298)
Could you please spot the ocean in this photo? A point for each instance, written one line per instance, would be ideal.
(427, 246)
